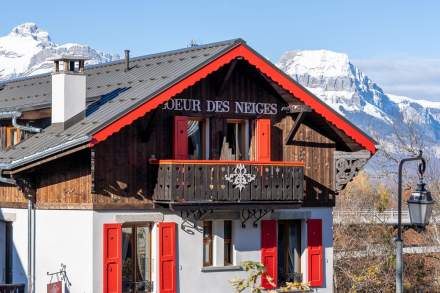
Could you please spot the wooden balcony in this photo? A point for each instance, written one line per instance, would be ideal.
(217, 182)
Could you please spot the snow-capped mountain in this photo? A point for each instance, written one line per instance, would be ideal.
(333, 78)
(26, 48)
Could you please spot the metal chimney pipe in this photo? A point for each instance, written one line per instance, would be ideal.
(127, 60)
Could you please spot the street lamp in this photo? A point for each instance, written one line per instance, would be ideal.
(420, 208)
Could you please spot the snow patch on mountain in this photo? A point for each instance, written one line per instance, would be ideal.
(26, 49)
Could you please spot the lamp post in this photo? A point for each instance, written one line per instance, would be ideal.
(420, 209)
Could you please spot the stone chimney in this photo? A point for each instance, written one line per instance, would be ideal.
(68, 90)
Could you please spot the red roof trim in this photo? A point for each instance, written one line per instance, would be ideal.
(262, 65)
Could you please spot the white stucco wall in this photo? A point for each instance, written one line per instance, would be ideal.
(75, 238)
(19, 239)
(2, 251)
(61, 236)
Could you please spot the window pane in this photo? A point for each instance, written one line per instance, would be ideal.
(195, 144)
(207, 243)
(127, 259)
(228, 260)
(235, 146)
(143, 259)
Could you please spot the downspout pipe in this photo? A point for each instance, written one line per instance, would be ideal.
(12, 181)
(14, 115)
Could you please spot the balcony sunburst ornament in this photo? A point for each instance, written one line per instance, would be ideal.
(240, 177)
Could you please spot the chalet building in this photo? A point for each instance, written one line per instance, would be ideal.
(163, 173)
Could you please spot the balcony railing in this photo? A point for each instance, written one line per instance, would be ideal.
(190, 181)
(12, 288)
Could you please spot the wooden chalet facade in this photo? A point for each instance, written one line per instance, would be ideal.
(180, 166)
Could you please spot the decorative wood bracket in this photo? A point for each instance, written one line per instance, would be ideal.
(256, 214)
(347, 166)
(195, 214)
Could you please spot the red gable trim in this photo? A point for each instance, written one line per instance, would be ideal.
(262, 65)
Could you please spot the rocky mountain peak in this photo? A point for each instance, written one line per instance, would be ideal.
(30, 29)
(316, 63)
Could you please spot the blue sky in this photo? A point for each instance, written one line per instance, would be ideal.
(396, 43)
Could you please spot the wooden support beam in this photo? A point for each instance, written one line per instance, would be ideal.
(227, 76)
(296, 108)
(299, 119)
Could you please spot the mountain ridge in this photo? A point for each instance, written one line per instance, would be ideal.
(335, 80)
(329, 75)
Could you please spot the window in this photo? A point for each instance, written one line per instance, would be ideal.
(5, 252)
(289, 251)
(228, 253)
(207, 243)
(136, 258)
(190, 138)
(10, 136)
(196, 138)
(236, 144)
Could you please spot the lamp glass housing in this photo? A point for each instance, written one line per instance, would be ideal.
(420, 205)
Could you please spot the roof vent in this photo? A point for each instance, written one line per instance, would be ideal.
(193, 43)
(127, 60)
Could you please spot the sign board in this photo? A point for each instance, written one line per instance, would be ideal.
(56, 287)
(221, 106)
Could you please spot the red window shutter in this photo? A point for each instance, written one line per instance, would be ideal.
(269, 252)
(314, 248)
(167, 258)
(180, 138)
(112, 258)
(263, 139)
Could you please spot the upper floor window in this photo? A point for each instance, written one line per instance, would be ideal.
(196, 139)
(10, 136)
(236, 140)
(190, 138)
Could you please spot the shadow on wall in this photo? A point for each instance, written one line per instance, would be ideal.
(12, 270)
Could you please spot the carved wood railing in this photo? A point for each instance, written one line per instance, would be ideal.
(12, 288)
(191, 181)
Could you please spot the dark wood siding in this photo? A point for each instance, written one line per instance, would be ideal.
(121, 180)
(316, 151)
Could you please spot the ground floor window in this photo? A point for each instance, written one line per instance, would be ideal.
(218, 248)
(207, 243)
(136, 258)
(289, 251)
(5, 252)
(228, 253)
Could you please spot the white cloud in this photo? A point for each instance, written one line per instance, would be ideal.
(412, 77)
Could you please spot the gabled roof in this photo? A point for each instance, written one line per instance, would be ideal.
(127, 96)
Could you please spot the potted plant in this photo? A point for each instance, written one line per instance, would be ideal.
(252, 281)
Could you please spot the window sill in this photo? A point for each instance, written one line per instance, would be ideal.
(221, 269)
